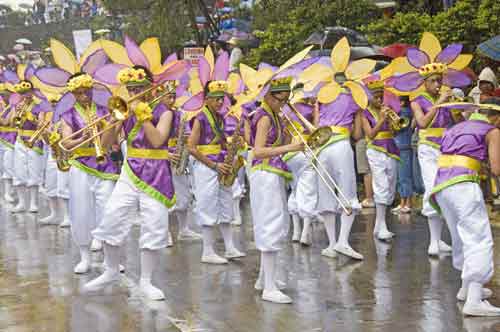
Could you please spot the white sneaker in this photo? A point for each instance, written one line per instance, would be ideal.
(385, 235)
(433, 250)
(306, 238)
(33, 208)
(49, 220)
(276, 296)
(82, 267)
(486, 293)
(236, 222)
(8, 198)
(213, 259)
(234, 253)
(397, 209)
(329, 252)
(406, 210)
(483, 308)
(121, 268)
(348, 251)
(259, 284)
(444, 247)
(65, 223)
(105, 279)
(96, 245)
(150, 291)
(170, 242)
(18, 208)
(188, 234)
(296, 236)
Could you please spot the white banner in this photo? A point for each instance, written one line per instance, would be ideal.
(82, 40)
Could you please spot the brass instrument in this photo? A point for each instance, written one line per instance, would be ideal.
(59, 155)
(395, 121)
(232, 158)
(20, 115)
(319, 135)
(37, 134)
(179, 168)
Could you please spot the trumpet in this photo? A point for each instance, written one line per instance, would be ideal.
(319, 136)
(395, 121)
(21, 113)
(36, 135)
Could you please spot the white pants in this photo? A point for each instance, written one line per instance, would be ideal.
(56, 182)
(464, 210)
(28, 166)
(182, 192)
(88, 196)
(338, 159)
(116, 223)
(269, 210)
(238, 188)
(296, 165)
(306, 195)
(384, 176)
(2, 152)
(427, 158)
(214, 202)
(8, 164)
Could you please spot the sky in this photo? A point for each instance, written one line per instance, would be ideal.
(14, 3)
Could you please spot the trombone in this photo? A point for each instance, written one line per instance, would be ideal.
(36, 135)
(318, 137)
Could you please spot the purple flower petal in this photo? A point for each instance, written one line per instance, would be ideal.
(94, 62)
(100, 95)
(407, 82)
(449, 54)
(391, 100)
(135, 53)
(15, 98)
(107, 74)
(455, 78)
(264, 65)
(64, 104)
(203, 71)
(194, 103)
(52, 76)
(39, 94)
(174, 72)
(170, 58)
(29, 72)
(417, 58)
(221, 70)
(11, 77)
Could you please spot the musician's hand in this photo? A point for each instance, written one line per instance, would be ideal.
(300, 146)
(444, 97)
(174, 157)
(383, 114)
(223, 168)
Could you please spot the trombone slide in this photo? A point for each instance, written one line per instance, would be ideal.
(36, 135)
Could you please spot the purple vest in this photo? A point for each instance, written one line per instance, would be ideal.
(107, 170)
(8, 138)
(152, 176)
(29, 125)
(387, 145)
(443, 118)
(275, 137)
(212, 132)
(340, 113)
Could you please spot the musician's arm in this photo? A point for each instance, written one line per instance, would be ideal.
(260, 150)
(158, 135)
(493, 141)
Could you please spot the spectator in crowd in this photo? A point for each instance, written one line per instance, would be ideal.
(236, 54)
(364, 170)
(38, 12)
(486, 85)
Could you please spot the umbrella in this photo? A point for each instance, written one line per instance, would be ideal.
(18, 47)
(332, 35)
(25, 6)
(24, 41)
(490, 48)
(396, 50)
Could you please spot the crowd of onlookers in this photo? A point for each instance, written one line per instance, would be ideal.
(46, 11)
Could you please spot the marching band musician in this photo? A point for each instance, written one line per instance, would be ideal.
(56, 181)
(268, 177)
(8, 136)
(382, 154)
(214, 203)
(458, 196)
(432, 68)
(90, 183)
(145, 183)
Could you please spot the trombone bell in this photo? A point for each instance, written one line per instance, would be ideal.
(319, 137)
(118, 108)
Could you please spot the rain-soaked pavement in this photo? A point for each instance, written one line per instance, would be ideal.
(396, 288)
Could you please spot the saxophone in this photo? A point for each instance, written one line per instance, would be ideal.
(179, 168)
(232, 158)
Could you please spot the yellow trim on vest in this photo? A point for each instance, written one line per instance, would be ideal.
(341, 130)
(83, 152)
(383, 135)
(7, 130)
(431, 132)
(172, 142)
(447, 161)
(210, 149)
(23, 132)
(155, 154)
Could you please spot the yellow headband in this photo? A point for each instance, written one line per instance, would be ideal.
(80, 81)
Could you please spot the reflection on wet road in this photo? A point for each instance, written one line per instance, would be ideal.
(396, 288)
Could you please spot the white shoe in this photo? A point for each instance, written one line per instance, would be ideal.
(121, 268)
(18, 208)
(8, 198)
(234, 253)
(259, 285)
(150, 291)
(329, 252)
(406, 210)
(213, 259)
(276, 296)
(49, 220)
(486, 293)
(433, 250)
(65, 223)
(82, 267)
(188, 234)
(397, 209)
(483, 308)
(236, 222)
(444, 247)
(96, 245)
(385, 235)
(348, 251)
(33, 208)
(170, 242)
(296, 237)
(306, 238)
(105, 279)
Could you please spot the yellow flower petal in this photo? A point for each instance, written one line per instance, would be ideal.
(248, 76)
(20, 71)
(340, 55)
(209, 55)
(399, 66)
(329, 92)
(359, 69)
(63, 57)
(295, 59)
(116, 52)
(233, 83)
(151, 49)
(358, 93)
(430, 45)
(461, 62)
(315, 74)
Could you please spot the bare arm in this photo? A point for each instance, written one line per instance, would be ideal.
(493, 141)
(158, 135)
(315, 114)
(193, 142)
(66, 132)
(357, 132)
(110, 137)
(372, 132)
(261, 151)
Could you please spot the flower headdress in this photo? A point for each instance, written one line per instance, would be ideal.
(22, 81)
(379, 82)
(340, 76)
(429, 59)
